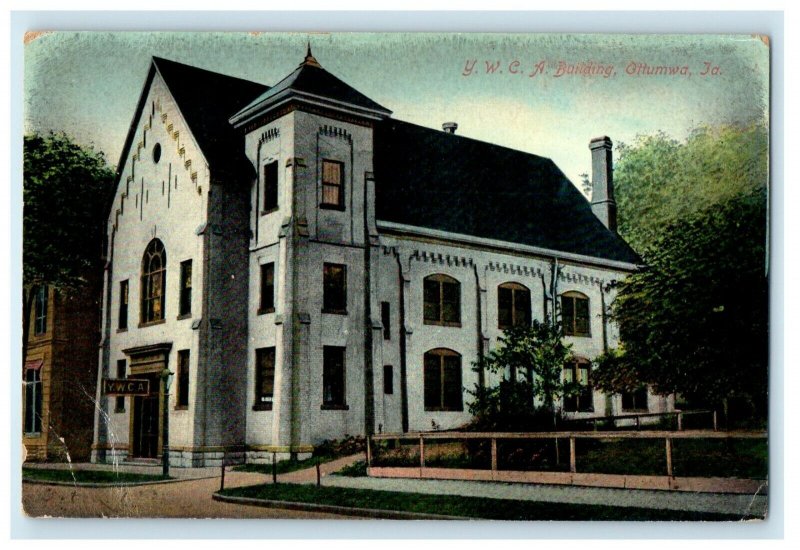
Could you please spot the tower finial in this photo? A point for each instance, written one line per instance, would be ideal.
(310, 60)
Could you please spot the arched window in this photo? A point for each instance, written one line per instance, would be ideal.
(442, 297)
(575, 314)
(154, 274)
(579, 397)
(442, 380)
(513, 305)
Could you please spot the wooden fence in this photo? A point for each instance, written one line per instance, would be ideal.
(610, 480)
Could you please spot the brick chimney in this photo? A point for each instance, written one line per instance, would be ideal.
(603, 204)
(450, 127)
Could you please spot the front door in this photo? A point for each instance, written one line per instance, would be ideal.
(146, 420)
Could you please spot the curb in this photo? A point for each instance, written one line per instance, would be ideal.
(333, 509)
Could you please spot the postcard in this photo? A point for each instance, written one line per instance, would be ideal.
(397, 276)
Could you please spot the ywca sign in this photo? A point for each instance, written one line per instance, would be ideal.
(126, 386)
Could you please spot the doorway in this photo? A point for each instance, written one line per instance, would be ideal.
(147, 420)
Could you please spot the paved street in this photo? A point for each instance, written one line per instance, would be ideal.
(184, 499)
(191, 498)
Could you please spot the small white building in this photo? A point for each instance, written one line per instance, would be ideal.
(311, 268)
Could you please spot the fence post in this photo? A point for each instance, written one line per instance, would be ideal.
(669, 456)
(222, 477)
(318, 473)
(369, 452)
(274, 469)
(638, 423)
(494, 454)
(421, 452)
(714, 417)
(680, 421)
(572, 467)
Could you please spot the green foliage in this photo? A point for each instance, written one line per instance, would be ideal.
(64, 194)
(614, 373)
(658, 180)
(529, 362)
(695, 320)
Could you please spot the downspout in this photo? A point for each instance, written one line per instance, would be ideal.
(479, 325)
(403, 359)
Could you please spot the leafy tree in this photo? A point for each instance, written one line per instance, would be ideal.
(529, 362)
(695, 320)
(65, 189)
(659, 180)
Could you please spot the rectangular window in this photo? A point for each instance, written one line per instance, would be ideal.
(332, 184)
(580, 400)
(266, 302)
(513, 306)
(270, 187)
(119, 401)
(441, 301)
(186, 288)
(388, 379)
(334, 283)
(386, 321)
(40, 310)
(635, 400)
(33, 401)
(333, 377)
(265, 378)
(442, 381)
(182, 400)
(122, 322)
(575, 314)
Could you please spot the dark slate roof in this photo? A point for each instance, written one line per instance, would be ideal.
(206, 99)
(313, 79)
(434, 179)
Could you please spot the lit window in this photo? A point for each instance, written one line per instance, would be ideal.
(575, 314)
(154, 273)
(442, 381)
(186, 288)
(442, 300)
(265, 377)
(332, 184)
(513, 306)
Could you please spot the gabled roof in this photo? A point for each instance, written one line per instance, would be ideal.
(206, 99)
(438, 180)
(309, 79)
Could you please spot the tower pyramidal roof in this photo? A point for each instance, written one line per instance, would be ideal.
(311, 82)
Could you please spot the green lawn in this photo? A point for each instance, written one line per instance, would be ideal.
(87, 476)
(283, 466)
(468, 507)
(739, 458)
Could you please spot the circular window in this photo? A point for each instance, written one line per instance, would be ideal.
(156, 152)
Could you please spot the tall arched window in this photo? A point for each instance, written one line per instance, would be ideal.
(442, 380)
(513, 305)
(442, 300)
(154, 275)
(575, 314)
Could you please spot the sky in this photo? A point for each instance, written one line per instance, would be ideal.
(547, 94)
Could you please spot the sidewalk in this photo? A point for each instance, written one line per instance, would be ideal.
(668, 500)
